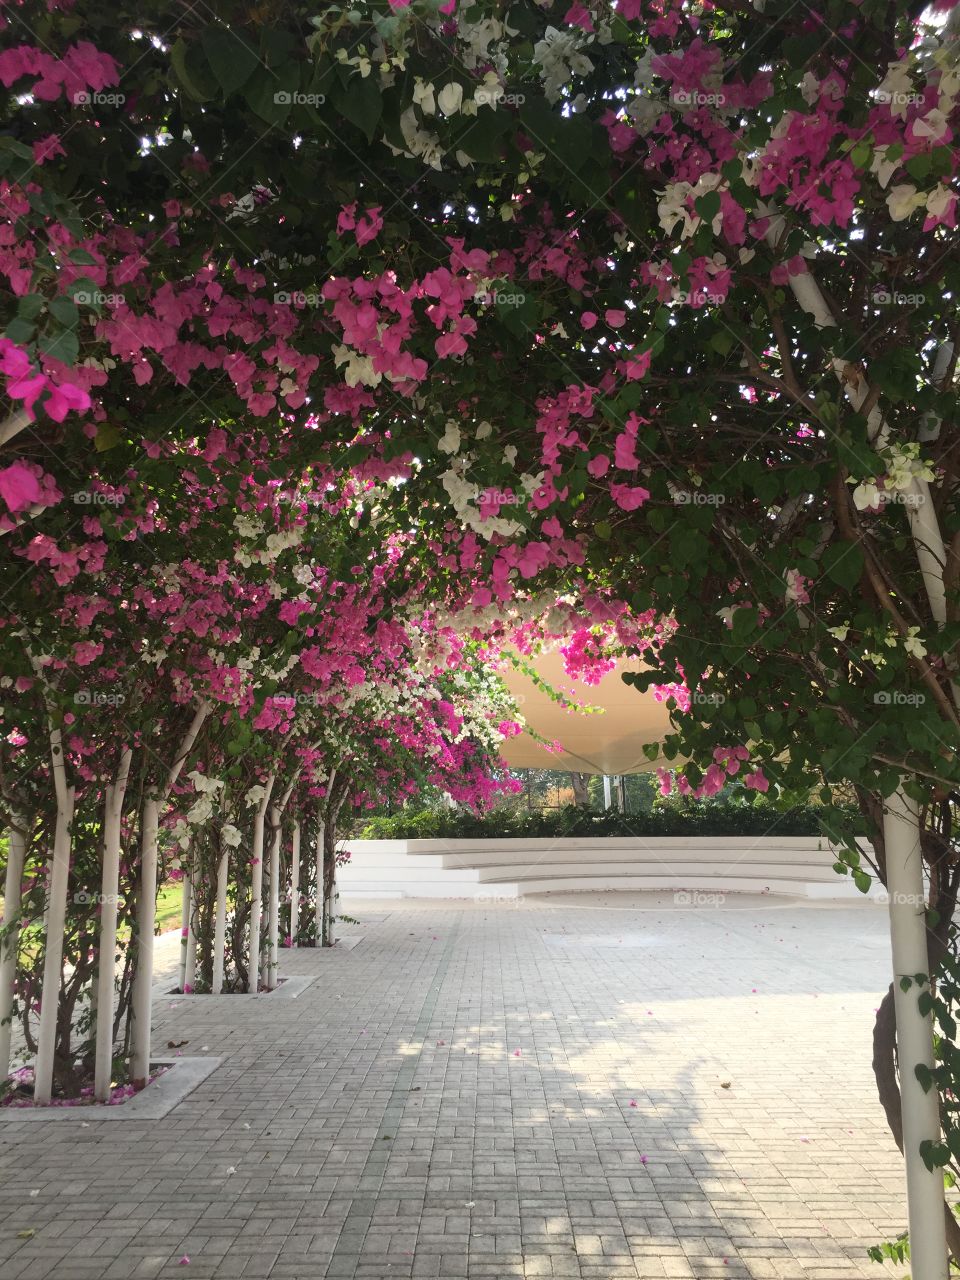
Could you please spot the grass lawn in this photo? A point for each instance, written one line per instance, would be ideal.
(169, 906)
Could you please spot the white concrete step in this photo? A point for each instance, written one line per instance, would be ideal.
(794, 865)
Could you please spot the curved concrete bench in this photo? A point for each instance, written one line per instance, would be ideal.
(795, 865)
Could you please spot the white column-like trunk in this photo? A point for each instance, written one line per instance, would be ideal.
(109, 901)
(256, 905)
(607, 794)
(190, 966)
(319, 905)
(295, 884)
(16, 854)
(273, 916)
(921, 1118)
(220, 923)
(330, 914)
(146, 918)
(185, 910)
(58, 873)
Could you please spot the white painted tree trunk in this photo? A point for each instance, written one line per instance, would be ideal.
(190, 967)
(273, 918)
(185, 912)
(295, 884)
(330, 913)
(146, 919)
(58, 873)
(921, 1118)
(109, 901)
(16, 854)
(220, 923)
(320, 903)
(256, 905)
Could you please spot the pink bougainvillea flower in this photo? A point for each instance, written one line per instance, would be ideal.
(616, 319)
(628, 496)
(19, 487)
(579, 16)
(588, 319)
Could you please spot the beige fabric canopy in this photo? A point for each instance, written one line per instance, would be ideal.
(609, 741)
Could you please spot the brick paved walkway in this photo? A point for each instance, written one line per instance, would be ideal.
(454, 1097)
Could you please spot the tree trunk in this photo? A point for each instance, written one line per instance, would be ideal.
(16, 855)
(581, 794)
(295, 884)
(59, 874)
(920, 1114)
(256, 894)
(146, 920)
(107, 951)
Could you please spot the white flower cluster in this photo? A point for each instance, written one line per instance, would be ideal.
(677, 196)
(905, 469)
(560, 56)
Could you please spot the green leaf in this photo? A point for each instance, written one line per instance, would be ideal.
(270, 94)
(19, 330)
(62, 345)
(30, 306)
(232, 58)
(862, 880)
(708, 206)
(190, 71)
(843, 564)
(64, 310)
(107, 437)
(361, 103)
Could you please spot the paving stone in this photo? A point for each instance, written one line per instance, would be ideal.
(384, 1123)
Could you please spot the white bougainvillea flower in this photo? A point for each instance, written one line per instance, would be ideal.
(903, 200)
(913, 645)
(450, 98)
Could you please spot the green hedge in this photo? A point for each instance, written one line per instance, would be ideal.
(758, 818)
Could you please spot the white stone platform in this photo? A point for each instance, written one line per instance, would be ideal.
(799, 866)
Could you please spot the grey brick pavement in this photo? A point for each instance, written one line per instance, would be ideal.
(453, 1098)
